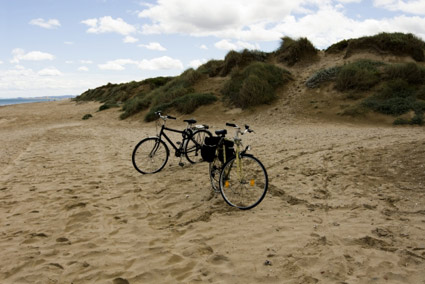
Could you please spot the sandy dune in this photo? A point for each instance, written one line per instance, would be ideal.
(346, 203)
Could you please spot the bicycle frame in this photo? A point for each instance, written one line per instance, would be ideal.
(163, 134)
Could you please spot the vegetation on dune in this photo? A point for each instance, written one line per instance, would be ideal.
(293, 51)
(397, 88)
(360, 75)
(115, 93)
(252, 78)
(255, 85)
(185, 104)
(399, 44)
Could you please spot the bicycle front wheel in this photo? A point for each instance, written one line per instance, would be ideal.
(150, 155)
(243, 183)
(193, 145)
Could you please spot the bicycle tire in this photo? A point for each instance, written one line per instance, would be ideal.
(142, 160)
(214, 170)
(247, 189)
(193, 144)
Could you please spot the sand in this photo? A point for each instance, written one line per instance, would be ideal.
(346, 203)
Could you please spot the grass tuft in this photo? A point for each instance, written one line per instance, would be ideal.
(293, 51)
(398, 44)
(255, 85)
(185, 104)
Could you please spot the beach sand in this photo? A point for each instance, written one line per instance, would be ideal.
(346, 203)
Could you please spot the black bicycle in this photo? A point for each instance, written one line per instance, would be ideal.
(240, 177)
(151, 154)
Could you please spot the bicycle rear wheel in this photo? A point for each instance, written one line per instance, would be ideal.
(214, 170)
(150, 155)
(243, 184)
(193, 145)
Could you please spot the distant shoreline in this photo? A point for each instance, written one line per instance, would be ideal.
(15, 101)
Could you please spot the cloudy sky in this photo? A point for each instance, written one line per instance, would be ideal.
(59, 47)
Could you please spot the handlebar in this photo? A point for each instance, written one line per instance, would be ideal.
(247, 129)
(164, 117)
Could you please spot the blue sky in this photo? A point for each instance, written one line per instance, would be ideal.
(58, 47)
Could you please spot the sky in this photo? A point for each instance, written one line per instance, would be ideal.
(64, 47)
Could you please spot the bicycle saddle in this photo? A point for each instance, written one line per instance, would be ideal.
(190, 121)
(221, 132)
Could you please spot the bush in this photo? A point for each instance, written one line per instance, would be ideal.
(185, 104)
(360, 75)
(87, 116)
(395, 98)
(324, 75)
(212, 68)
(106, 106)
(410, 72)
(293, 51)
(134, 106)
(255, 85)
(240, 60)
(390, 43)
(338, 47)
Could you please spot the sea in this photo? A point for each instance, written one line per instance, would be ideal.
(14, 101)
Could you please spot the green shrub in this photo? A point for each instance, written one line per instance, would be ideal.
(410, 72)
(87, 116)
(420, 94)
(321, 76)
(395, 98)
(390, 43)
(360, 75)
(293, 51)
(212, 68)
(401, 121)
(185, 104)
(417, 119)
(254, 85)
(106, 106)
(338, 47)
(240, 60)
(134, 106)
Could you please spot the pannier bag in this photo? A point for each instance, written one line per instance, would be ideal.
(209, 148)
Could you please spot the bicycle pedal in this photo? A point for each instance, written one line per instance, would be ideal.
(181, 164)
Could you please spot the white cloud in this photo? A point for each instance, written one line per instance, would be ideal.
(228, 45)
(83, 68)
(130, 39)
(24, 82)
(51, 71)
(117, 64)
(203, 46)
(68, 42)
(153, 46)
(86, 62)
(197, 62)
(49, 24)
(240, 22)
(108, 24)
(159, 63)
(19, 54)
(413, 7)
(1, 62)
(222, 18)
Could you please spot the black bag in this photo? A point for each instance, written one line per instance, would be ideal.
(209, 147)
(208, 150)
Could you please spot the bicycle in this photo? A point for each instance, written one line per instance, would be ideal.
(151, 154)
(242, 179)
